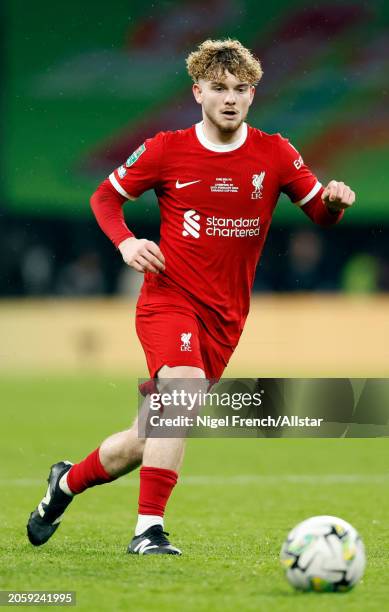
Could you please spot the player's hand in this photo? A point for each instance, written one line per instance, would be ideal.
(142, 255)
(338, 196)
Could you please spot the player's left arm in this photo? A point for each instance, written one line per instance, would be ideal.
(323, 205)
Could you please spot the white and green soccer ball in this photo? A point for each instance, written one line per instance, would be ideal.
(323, 553)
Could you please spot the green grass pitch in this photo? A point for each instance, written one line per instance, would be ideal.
(235, 504)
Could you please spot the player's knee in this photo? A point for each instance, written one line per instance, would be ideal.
(134, 438)
(132, 455)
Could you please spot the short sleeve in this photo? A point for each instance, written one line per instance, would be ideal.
(296, 179)
(141, 170)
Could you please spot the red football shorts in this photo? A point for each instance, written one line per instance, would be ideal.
(173, 334)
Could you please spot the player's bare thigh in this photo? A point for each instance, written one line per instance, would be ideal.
(166, 374)
(180, 372)
(123, 451)
(167, 452)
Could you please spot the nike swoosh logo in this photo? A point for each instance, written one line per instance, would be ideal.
(181, 185)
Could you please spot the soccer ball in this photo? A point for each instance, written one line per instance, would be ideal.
(323, 553)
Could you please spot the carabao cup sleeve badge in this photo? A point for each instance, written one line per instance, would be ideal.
(135, 155)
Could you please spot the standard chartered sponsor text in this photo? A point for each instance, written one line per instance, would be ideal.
(228, 227)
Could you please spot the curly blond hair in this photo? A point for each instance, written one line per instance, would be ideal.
(213, 57)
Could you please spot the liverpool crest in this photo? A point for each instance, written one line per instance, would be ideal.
(258, 185)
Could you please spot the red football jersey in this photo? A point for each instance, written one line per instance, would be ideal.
(216, 204)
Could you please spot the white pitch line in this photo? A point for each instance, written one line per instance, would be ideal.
(243, 479)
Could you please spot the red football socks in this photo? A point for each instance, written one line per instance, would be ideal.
(156, 485)
(87, 473)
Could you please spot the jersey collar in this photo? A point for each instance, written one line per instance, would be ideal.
(220, 148)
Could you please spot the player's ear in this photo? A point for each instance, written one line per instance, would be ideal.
(197, 92)
(252, 93)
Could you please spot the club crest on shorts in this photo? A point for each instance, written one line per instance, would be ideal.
(258, 185)
(185, 341)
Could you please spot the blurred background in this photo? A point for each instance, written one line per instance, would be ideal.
(84, 85)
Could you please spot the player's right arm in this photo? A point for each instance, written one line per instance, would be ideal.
(140, 172)
(142, 255)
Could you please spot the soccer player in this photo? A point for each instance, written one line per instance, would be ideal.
(217, 184)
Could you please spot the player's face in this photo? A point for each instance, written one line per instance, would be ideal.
(225, 101)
